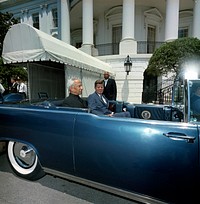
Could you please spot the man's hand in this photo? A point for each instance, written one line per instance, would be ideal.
(111, 114)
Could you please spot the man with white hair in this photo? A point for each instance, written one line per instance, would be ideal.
(75, 89)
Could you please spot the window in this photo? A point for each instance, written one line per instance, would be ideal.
(78, 45)
(116, 38)
(151, 37)
(183, 32)
(153, 21)
(76, 38)
(18, 19)
(35, 18)
(55, 17)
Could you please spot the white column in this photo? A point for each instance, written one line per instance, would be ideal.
(172, 20)
(196, 19)
(65, 21)
(43, 18)
(88, 22)
(128, 44)
(87, 26)
(128, 19)
(25, 17)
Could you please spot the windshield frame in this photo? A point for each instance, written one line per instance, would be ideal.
(192, 85)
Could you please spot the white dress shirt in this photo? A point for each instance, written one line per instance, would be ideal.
(102, 97)
(22, 88)
(105, 82)
(1, 89)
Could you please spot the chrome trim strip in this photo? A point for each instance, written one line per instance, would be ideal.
(132, 196)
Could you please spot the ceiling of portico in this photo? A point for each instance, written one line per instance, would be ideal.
(104, 5)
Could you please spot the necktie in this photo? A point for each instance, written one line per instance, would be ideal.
(103, 99)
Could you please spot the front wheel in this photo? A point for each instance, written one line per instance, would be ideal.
(24, 161)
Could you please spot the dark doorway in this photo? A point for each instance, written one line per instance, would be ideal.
(149, 94)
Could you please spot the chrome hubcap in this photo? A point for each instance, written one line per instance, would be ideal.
(24, 155)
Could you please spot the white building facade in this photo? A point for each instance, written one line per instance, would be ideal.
(111, 30)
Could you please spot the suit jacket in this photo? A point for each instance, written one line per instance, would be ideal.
(110, 90)
(97, 105)
(74, 101)
(14, 87)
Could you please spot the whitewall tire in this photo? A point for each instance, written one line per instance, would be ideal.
(24, 161)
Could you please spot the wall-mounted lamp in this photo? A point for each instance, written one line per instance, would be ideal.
(127, 64)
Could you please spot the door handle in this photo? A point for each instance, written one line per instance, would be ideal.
(175, 135)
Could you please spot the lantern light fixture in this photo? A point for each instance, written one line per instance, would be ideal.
(127, 64)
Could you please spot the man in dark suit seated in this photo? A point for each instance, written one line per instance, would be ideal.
(98, 103)
(75, 89)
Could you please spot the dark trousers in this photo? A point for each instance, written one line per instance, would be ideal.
(122, 114)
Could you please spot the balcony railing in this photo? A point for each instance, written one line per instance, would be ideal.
(162, 95)
(108, 49)
(143, 47)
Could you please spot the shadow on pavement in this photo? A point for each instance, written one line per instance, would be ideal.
(4, 165)
(73, 189)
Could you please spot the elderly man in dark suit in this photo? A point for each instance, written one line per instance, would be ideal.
(110, 87)
(98, 103)
(75, 89)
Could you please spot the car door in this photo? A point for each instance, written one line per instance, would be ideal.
(49, 131)
(153, 158)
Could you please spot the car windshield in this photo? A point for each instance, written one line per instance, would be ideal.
(194, 91)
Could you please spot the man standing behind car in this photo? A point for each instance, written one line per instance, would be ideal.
(110, 88)
(21, 87)
(75, 89)
(14, 85)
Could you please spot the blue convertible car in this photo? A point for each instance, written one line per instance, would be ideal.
(152, 157)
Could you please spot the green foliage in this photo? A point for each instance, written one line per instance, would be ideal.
(8, 71)
(6, 21)
(172, 55)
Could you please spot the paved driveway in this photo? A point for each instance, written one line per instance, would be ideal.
(48, 190)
